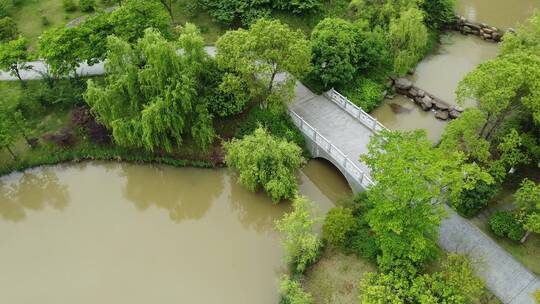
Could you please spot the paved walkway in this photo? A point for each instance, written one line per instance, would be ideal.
(504, 276)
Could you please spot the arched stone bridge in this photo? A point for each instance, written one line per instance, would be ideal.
(339, 131)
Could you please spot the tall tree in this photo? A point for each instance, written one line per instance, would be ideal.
(412, 179)
(408, 38)
(14, 56)
(267, 49)
(301, 243)
(528, 201)
(150, 99)
(62, 49)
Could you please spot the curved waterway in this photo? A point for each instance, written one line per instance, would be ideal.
(122, 233)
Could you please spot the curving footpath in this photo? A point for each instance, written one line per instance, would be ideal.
(508, 279)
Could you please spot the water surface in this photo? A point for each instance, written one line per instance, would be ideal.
(121, 233)
(499, 13)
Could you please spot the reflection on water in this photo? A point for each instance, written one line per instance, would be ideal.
(500, 13)
(33, 190)
(409, 117)
(440, 73)
(143, 234)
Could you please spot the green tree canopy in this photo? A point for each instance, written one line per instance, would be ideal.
(408, 36)
(528, 201)
(14, 55)
(259, 54)
(8, 29)
(412, 178)
(263, 160)
(301, 243)
(150, 98)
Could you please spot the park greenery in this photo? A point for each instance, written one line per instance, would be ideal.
(165, 99)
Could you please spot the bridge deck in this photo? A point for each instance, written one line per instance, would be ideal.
(344, 131)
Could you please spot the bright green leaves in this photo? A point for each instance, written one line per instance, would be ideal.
(300, 242)
(150, 99)
(266, 161)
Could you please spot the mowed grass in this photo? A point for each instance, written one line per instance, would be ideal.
(29, 15)
(335, 279)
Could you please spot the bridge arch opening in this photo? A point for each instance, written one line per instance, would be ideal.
(330, 179)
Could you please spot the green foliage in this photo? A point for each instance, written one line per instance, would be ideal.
(342, 50)
(408, 37)
(472, 201)
(537, 296)
(8, 130)
(267, 49)
(338, 224)
(462, 134)
(366, 93)
(455, 283)
(69, 5)
(5, 7)
(8, 29)
(266, 161)
(150, 98)
(245, 12)
(300, 242)
(62, 48)
(505, 224)
(411, 175)
(292, 292)
(87, 5)
(14, 55)
(278, 123)
(231, 97)
(528, 201)
(440, 14)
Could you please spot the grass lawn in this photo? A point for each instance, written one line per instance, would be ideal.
(29, 16)
(527, 253)
(336, 277)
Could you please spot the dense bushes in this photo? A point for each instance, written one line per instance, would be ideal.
(8, 29)
(69, 5)
(87, 5)
(338, 224)
(231, 96)
(471, 202)
(292, 293)
(366, 93)
(244, 12)
(505, 224)
(265, 161)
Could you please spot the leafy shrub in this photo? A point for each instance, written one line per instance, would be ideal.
(231, 96)
(439, 13)
(505, 224)
(263, 160)
(471, 202)
(64, 93)
(367, 94)
(338, 224)
(277, 123)
(5, 6)
(8, 29)
(69, 5)
(87, 5)
(537, 296)
(292, 292)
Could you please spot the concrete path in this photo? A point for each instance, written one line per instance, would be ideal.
(504, 275)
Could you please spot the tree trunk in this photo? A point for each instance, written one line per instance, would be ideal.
(168, 7)
(11, 152)
(18, 74)
(271, 85)
(525, 236)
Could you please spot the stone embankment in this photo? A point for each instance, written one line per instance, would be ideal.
(426, 101)
(482, 30)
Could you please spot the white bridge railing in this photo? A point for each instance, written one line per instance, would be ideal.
(354, 111)
(339, 157)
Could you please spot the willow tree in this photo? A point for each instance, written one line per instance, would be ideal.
(267, 49)
(408, 36)
(150, 97)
